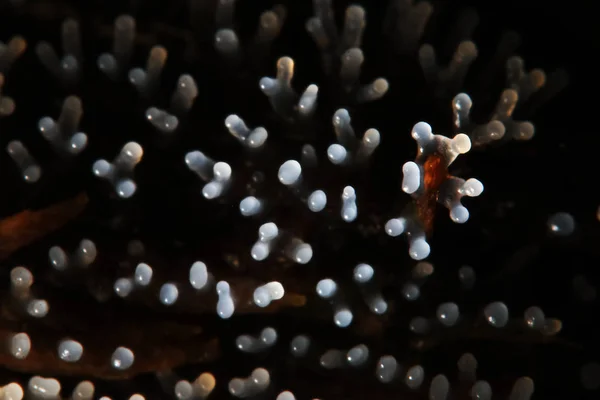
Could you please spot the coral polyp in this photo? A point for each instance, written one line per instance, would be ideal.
(291, 200)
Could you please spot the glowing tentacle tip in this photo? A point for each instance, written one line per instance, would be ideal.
(412, 177)
(301, 253)
(45, 388)
(281, 94)
(86, 253)
(317, 201)
(459, 214)
(358, 355)
(250, 206)
(290, 172)
(286, 395)
(204, 384)
(343, 318)
(276, 290)
(227, 42)
(387, 369)
(120, 170)
(38, 308)
(268, 232)
(146, 80)
(162, 120)
(250, 138)
(411, 291)
(363, 273)
(534, 318)
(419, 325)
(30, 170)
(524, 387)
(466, 275)
(371, 140)
(83, 391)
(414, 377)
(256, 383)
(135, 248)
(343, 129)
(422, 133)
(308, 100)
(122, 358)
(12, 391)
(198, 276)
(461, 143)
(419, 248)
(337, 154)
(439, 388)
(309, 156)
(260, 251)
(70, 350)
(265, 294)
(590, 376)
(199, 163)
(373, 91)
(124, 35)
(21, 278)
(354, 25)
(185, 93)
(123, 287)
(168, 294)
(378, 305)
(221, 178)
(395, 227)
(349, 209)
(448, 314)
(62, 133)
(107, 63)
(183, 390)
(561, 224)
(326, 288)
(332, 358)
(270, 25)
(143, 274)
(7, 105)
(351, 61)
(269, 86)
(481, 390)
(467, 367)
(260, 378)
(299, 345)
(20, 346)
(225, 305)
(496, 314)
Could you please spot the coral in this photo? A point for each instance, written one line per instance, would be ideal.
(205, 199)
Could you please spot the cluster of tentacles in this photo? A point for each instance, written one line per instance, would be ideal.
(182, 218)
